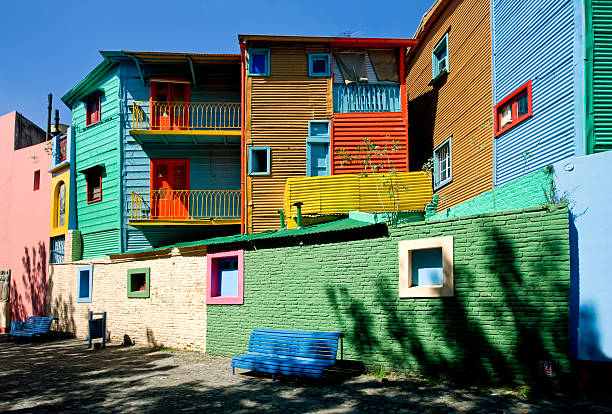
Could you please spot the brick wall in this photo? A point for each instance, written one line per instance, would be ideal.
(510, 306)
(533, 189)
(174, 314)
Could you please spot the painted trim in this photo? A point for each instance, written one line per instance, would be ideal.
(512, 99)
(312, 57)
(580, 63)
(215, 132)
(589, 45)
(434, 58)
(84, 299)
(56, 181)
(212, 270)
(449, 180)
(250, 166)
(405, 248)
(259, 51)
(319, 139)
(139, 293)
(88, 101)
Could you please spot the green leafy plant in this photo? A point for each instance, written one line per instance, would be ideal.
(376, 160)
(428, 166)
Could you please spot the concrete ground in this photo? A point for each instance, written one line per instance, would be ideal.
(63, 376)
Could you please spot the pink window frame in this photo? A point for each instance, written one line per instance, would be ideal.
(212, 271)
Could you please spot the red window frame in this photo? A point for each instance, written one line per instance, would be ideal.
(36, 180)
(512, 99)
(93, 116)
(90, 176)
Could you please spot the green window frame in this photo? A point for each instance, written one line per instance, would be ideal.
(135, 277)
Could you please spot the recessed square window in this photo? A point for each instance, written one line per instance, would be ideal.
(439, 57)
(426, 268)
(84, 284)
(225, 278)
(36, 180)
(138, 283)
(443, 164)
(93, 105)
(259, 62)
(259, 161)
(319, 64)
(513, 109)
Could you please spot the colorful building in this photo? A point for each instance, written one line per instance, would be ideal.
(25, 189)
(157, 150)
(449, 81)
(309, 103)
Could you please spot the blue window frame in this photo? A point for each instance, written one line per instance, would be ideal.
(259, 161)
(259, 62)
(319, 64)
(317, 149)
(439, 57)
(443, 173)
(84, 284)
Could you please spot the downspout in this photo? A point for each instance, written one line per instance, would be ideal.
(242, 138)
(122, 113)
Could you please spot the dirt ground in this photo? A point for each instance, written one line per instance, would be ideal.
(62, 375)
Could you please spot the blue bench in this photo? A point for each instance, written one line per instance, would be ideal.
(297, 353)
(35, 326)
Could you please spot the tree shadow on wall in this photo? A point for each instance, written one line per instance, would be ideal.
(29, 297)
(501, 321)
(60, 307)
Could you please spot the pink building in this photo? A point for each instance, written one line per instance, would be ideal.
(25, 199)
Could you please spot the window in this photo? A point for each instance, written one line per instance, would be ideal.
(93, 105)
(94, 185)
(317, 149)
(138, 285)
(513, 109)
(443, 164)
(318, 64)
(84, 284)
(259, 62)
(36, 180)
(225, 278)
(259, 160)
(439, 58)
(426, 268)
(61, 205)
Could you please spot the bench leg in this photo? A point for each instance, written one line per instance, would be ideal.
(233, 371)
(273, 377)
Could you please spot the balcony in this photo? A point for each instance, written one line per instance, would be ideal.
(339, 194)
(185, 207)
(366, 97)
(171, 120)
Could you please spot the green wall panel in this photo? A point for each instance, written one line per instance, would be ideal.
(510, 306)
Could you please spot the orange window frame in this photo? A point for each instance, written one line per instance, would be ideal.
(512, 99)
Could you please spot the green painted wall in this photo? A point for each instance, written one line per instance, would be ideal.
(510, 306)
(598, 17)
(533, 189)
(96, 144)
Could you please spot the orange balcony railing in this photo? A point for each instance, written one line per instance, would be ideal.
(157, 115)
(185, 205)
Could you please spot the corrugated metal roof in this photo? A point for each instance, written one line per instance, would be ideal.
(338, 225)
(198, 58)
(346, 41)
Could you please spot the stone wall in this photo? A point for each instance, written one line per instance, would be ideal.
(510, 308)
(174, 315)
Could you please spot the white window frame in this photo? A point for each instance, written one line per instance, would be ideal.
(438, 183)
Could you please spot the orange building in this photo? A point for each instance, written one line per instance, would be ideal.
(450, 99)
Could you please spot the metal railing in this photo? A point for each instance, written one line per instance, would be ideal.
(157, 115)
(366, 97)
(185, 204)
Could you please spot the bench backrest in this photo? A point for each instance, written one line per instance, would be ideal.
(39, 323)
(317, 345)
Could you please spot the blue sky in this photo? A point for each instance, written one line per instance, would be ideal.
(49, 46)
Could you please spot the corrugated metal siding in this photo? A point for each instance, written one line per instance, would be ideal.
(337, 194)
(461, 107)
(600, 32)
(100, 244)
(94, 145)
(211, 166)
(278, 109)
(381, 128)
(534, 41)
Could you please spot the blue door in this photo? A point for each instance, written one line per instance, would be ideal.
(228, 277)
(318, 163)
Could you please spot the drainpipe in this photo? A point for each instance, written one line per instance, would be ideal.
(298, 205)
(242, 139)
(48, 136)
(282, 219)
